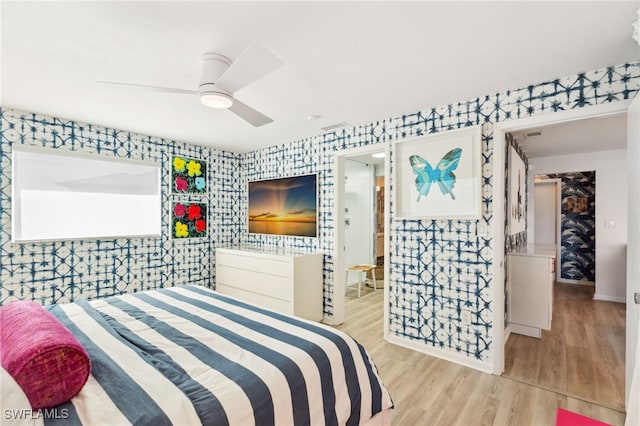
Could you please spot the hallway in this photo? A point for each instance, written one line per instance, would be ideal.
(583, 353)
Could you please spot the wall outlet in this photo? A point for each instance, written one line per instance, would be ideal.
(465, 317)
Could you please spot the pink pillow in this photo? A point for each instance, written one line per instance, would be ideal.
(41, 354)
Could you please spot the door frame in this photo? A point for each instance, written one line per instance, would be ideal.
(498, 228)
(632, 342)
(370, 223)
(339, 277)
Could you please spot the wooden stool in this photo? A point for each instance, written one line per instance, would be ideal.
(360, 269)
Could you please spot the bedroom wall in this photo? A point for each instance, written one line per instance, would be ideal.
(438, 268)
(61, 271)
(611, 171)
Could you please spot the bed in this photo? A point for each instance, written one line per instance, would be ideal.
(188, 355)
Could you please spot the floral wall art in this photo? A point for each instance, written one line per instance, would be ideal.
(188, 176)
(189, 220)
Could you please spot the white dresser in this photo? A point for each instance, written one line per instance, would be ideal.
(530, 289)
(289, 282)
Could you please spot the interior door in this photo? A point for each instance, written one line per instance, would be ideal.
(544, 212)
(633, 254)
(358, 213)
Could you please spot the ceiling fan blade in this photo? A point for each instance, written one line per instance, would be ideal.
(253, 63)
(150, 88)
(249, 114)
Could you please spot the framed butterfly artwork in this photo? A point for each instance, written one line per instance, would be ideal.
(439, 176)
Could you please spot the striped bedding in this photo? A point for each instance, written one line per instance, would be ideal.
(188, 355)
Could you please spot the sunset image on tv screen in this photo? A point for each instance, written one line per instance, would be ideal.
(286, 206)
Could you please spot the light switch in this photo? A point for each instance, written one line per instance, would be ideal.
(609, 224)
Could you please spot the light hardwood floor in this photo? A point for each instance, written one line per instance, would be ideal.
(429, 391)
(583, 353)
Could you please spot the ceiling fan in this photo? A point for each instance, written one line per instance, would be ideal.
(221, 78)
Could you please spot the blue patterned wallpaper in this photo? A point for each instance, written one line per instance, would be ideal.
(439, 269)
(577, 226)
(61, 271)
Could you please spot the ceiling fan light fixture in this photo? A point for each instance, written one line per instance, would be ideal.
(217, 100)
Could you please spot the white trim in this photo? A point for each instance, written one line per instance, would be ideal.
(632, 334)
(498, 226)
(65, 151)
(605, 298)
(566, 116)
(525, 330)
(450, 356)
(339, 277)
(331, 320)
(499, 130)
(558, 260)
(387, 245)
(338, 260)
(575, 282)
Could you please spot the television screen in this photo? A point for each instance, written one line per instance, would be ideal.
(284, 206)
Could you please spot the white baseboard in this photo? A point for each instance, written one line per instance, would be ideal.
(484, 366)
(330, 320)
(579, 282)
(606, 298)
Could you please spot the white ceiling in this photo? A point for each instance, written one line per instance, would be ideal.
(575, 137)
(355, 62)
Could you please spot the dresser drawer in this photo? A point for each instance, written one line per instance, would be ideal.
(257, 299)
(271, 285)
(233, 260)
(233, 277)
(271, 266)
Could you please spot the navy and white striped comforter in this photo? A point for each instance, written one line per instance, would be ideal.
(188, 355)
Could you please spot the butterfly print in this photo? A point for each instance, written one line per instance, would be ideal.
(442, 174)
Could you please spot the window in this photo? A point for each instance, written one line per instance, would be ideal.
(59, 196)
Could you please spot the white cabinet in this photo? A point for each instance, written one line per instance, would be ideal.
(530, 290)
(288, 282)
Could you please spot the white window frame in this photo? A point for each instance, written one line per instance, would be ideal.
(100, 215)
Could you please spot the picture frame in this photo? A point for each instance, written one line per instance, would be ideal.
(284, 206)
(188, 220)
(516, 196)
(188, 175)
(439, 176)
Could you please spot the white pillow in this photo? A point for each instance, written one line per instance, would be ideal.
(16, 409)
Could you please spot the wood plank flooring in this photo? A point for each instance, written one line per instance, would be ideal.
(583, 353)
(430, 391)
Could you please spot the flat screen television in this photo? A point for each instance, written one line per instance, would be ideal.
(284, 206)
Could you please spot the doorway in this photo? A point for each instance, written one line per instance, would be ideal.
(545, 212)
(362, 226)
(582, 355)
